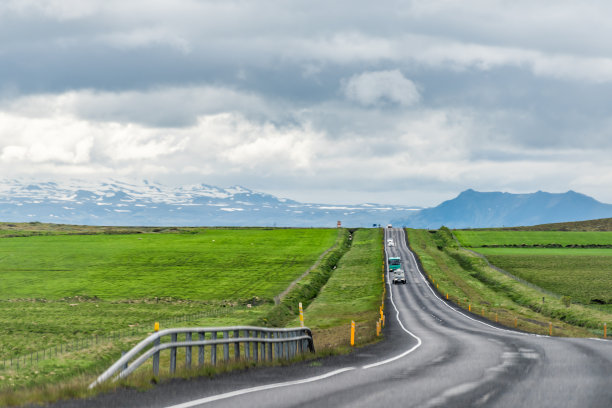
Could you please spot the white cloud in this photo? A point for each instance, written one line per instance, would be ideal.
(371, 88)
(293, 94)
(61, 139)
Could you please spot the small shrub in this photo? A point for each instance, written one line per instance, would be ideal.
(566, 300)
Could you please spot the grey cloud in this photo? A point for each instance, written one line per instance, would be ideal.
(472, 90)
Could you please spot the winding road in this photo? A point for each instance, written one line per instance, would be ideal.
(434, 355)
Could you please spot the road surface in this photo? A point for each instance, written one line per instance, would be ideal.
(433, 356)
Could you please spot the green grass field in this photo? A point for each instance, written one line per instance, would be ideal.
(207, 265)
(479, 238)
(354, 290)
(56, 289)
(470, 282)
(583, 274)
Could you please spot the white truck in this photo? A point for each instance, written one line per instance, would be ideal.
(399, 277)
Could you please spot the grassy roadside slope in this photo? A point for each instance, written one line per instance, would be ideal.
(352, 293)
(471, 283)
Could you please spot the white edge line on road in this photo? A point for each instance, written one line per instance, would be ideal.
(259, 388)
(419, 342)
(461, 313)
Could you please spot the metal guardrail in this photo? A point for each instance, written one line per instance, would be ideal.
(34, 358)
(259, 344)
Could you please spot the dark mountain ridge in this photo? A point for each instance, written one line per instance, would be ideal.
(473, 209)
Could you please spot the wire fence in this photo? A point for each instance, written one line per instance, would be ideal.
(81, 343)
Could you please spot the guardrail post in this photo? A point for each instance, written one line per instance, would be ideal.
(285, 335)
(188, 351)
(156, 358)
(226, 347)
(247, 346)
(237, 345)
(262, 346)
(173, 337)
(277, 346)
(202, 336)
(270, 356)
(311, 346)
(255, 347)
(156, 355)
(125, 366)
(213, 349)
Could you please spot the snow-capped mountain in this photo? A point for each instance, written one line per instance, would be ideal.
(115, 202)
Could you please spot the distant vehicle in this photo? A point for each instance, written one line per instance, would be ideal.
(389, 226)
(399, 277)
(394, 263)
(390, 243)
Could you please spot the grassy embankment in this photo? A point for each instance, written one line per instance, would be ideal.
(58, 290)
(352, 293)
(471, 283)
(577, 265)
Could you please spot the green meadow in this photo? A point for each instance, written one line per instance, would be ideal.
(62, 289)
(575, 264)
(480, 238)
(579, 276)
(353, 292)
(205, 265)
(583, 274)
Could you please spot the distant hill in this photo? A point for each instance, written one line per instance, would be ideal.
(473, 209)
(115, 203)
(602, 224)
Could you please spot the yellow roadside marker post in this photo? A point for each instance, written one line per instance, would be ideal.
(156, 327)
(605, 331)
(301, 315)
(550, 329)
(378, 328)
(470, 307)
(352, 332)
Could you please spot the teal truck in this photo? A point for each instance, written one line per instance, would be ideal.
(394, 263)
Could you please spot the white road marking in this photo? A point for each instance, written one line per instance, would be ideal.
(405, 353)
(231, 394)
(450, 392)
(218, 397)
(461, 313)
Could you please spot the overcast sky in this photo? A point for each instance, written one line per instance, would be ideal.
(406, 102)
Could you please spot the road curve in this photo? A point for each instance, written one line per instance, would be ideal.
(433, 355)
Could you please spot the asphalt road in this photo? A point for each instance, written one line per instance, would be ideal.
(433, 356)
